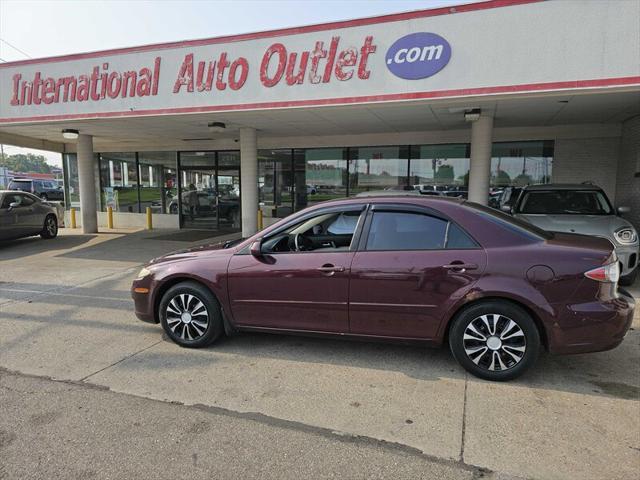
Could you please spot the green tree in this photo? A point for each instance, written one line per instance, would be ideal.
(444, 174)
(502, 179)
(29, 162)
(522, 180)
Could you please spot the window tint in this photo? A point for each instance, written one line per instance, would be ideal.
(565, 202)
(25, 200)
(406, 231)
(324, 232)
(21, 200)
(457, 238)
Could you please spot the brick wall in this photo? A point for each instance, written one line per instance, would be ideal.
(628, 188)
(590, 159)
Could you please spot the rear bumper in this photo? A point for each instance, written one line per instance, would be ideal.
(592, 327)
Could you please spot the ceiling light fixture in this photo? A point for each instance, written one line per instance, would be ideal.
(70, 134)
(217, 127)
(472, 115)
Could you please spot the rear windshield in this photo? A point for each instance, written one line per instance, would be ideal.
(510, 223)
(565, 202)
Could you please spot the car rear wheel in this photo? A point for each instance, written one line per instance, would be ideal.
(494, 340)
(190, 315)
(50, 228)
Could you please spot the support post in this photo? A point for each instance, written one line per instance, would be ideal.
(480, 168)
(249, 180)
(87, 184)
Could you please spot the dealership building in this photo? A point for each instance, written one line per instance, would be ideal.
(208, 132)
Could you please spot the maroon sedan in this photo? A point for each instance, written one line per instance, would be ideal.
(399, 268)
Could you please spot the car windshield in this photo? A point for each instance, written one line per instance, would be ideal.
(565, 202)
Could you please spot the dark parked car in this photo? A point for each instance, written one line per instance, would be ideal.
(45, 189)
(399, 268)
(25, 215)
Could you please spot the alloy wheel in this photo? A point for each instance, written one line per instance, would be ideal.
(187, 316)
(494, 342)
(51, 226)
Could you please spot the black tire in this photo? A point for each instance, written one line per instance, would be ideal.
(190, 331)
(517, 352)
(50, 227)
(173, 209)
(629, 279)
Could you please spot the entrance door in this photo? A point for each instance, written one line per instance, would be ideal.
(210, 190)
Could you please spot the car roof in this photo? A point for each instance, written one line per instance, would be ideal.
(563, 186)
(385, 196)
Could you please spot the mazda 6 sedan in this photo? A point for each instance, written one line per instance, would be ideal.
(403, 268)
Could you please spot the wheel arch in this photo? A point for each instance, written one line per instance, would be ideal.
(175, 280)
(544, 340)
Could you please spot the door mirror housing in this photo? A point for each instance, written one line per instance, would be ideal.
(13, 205)
(506, 208)
(256, 247)
(623, 210)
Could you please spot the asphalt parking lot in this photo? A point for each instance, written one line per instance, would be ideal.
(68, 326)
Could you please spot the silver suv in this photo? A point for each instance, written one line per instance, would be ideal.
(585, 209)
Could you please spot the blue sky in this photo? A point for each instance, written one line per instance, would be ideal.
(56, 27)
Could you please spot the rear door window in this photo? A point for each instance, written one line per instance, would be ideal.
(406, 231)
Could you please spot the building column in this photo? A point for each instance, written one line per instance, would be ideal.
(87, 184)
(249, 181)
(480, 170)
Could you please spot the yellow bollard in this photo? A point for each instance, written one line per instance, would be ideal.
(72, 212)
(109, 217)
(149, 219)
(259, 219)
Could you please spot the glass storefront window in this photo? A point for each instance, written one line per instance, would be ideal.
(275, 180)
(119, 182)
(158, 182)
(71, 182)
(521, 163)
(321, 174)
(439, 167)
(377, 168)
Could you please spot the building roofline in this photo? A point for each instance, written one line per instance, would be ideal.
(393, 17)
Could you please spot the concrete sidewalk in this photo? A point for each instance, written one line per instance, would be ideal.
(66, 313)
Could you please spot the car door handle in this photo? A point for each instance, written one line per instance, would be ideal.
(328, 268)
(460, 267)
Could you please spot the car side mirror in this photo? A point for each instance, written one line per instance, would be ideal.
(622, 210)
(506, 208)
(256, 247)
(13, 205)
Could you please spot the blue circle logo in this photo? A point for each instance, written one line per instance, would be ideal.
(418, 55)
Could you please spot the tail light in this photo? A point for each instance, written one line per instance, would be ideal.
(607, 273)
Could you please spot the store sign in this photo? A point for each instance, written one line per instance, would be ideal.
(418, 55)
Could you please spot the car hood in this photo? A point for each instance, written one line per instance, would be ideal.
(220, 248)
(597, 225)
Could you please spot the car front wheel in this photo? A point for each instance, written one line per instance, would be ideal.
(494, 340)
(50, 228)
(190, 315)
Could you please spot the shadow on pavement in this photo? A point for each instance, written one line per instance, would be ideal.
(24, 247)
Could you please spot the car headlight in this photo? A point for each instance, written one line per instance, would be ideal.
(143, 273)
(626, 236)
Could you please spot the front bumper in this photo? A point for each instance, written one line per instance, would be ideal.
(143, 302)
(628, 258)
(592, 327)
